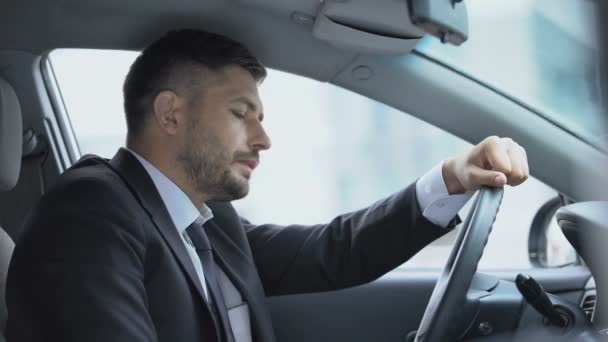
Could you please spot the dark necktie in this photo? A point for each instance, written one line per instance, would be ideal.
(216, 304)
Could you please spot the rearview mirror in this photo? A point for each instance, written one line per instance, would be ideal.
(390, 27)
(444, 19)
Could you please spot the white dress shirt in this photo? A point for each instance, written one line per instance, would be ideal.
(436, 204)
(182, 211)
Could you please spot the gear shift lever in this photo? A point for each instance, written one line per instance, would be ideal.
(536, 296)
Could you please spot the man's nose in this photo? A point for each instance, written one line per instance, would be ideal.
(259, 140)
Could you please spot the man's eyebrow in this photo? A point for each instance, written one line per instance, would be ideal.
(252, 106)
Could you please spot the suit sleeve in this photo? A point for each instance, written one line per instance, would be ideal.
(352, 249)
(77, 274)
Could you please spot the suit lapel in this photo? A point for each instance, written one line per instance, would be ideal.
(142, 186)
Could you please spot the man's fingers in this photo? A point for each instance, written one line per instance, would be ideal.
(516, 176)
(493, 162)
(496, 154)
(524, 156)
(482, 177)
(507, 157)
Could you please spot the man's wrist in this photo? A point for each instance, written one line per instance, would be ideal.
(434, 200)
(452, 183)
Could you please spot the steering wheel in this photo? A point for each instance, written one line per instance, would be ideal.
(453, 284)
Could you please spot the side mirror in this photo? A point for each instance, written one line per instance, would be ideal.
(547, 245)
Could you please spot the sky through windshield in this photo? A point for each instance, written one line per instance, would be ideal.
(543, 53)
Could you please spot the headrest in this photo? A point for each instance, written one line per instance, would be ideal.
(10, 137)
(6, 250)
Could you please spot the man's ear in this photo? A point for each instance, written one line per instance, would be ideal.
(165, 110)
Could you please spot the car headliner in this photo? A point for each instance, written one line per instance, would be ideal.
(264, 26)
(414, 84)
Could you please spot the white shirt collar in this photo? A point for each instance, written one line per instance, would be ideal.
(181, 209)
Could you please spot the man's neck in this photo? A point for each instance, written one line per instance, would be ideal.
(170, 169)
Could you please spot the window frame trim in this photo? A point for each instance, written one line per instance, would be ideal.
(68, 136)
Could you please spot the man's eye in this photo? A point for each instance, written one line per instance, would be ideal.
(238, 114)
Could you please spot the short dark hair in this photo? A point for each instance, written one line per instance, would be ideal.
(170, 59)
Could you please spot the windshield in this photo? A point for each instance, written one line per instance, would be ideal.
(541, 53)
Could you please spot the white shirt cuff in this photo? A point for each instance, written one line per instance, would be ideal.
(436, 204)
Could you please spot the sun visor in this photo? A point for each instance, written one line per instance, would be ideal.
(377, 27)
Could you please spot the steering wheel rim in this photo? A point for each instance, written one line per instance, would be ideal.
(455, 279)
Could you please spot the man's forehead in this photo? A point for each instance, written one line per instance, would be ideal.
(244, 93)
(236, 85)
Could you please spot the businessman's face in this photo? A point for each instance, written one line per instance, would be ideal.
(221, 145)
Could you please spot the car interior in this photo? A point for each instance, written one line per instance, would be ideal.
(367, 47)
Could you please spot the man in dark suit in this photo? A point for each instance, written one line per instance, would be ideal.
(147, 247)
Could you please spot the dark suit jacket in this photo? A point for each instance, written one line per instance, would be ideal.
(100, 259)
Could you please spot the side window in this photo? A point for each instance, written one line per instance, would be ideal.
(333, 152)
(507, 246)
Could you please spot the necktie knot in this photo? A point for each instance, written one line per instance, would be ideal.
(199, 238)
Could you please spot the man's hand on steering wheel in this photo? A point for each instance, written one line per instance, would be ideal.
(493, 162)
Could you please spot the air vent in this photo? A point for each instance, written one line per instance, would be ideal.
(588, 304)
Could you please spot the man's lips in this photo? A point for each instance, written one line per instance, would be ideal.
(252, 164)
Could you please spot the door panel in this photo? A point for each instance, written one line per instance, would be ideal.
(384, 310)
(389, 308)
